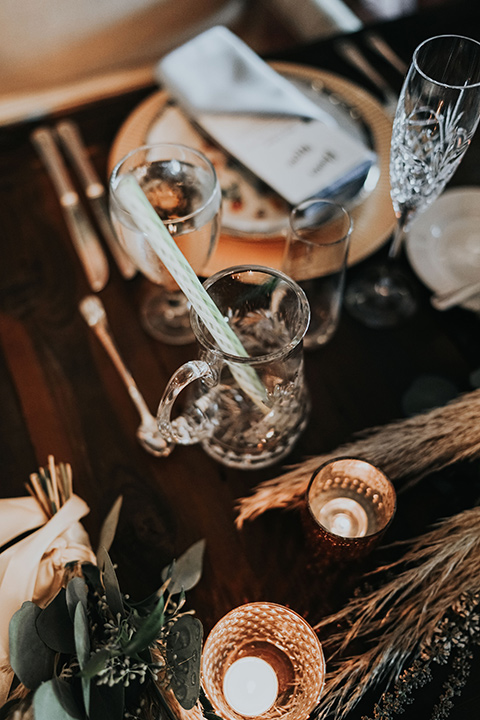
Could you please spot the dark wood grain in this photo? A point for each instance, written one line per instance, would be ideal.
(60, 395)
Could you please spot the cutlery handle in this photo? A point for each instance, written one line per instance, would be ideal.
(45, 145)
(86, 242)
(354, 56)
(69, 134)
(95, 316)
(383, 48)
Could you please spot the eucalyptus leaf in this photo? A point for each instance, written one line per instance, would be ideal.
(87, 694)
(93, 577)
(112, 588)
(146, 605)
(184, 649)
(109, 527)
(55, 626)
(148, 631)
(54, 700)
(76, 592)
(187, 570)
(95, 664)
(82, 646)
(82, 635)
(31, 660)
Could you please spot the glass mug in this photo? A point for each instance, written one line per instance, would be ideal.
(269, 313)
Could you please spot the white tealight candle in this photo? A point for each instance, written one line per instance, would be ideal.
(250, 686)
(343, 516)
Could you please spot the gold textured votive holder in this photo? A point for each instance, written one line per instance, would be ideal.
(263, 660)
(349, 505)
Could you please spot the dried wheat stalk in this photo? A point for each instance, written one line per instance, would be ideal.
(406, 449)
(402, 616)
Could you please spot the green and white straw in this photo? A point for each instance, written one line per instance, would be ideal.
(134, 200)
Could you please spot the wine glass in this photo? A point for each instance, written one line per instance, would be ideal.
(316, 254)
(437, 114)
(182, 186)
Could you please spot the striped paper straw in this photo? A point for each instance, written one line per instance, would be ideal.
(134, 200)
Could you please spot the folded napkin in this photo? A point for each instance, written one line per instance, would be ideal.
(261, 118)
(33, 568)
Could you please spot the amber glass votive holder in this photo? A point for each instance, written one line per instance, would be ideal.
(349, 505)
(263, 660)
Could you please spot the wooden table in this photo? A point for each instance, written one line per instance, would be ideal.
(60, 395)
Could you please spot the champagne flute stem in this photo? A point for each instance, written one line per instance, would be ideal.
(397, 242)
(399, 235)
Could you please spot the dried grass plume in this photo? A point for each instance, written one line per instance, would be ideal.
(403, 615)
(406, 449)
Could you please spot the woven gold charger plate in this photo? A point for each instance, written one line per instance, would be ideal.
(259, 239)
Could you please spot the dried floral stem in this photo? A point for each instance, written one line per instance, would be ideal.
(53, 479)
(402, 617)
(51, 486)
(454, 640)
(406, 449)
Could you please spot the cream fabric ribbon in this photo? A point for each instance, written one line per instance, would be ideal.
(33, 568)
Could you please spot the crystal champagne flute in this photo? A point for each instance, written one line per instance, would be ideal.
(437, 114)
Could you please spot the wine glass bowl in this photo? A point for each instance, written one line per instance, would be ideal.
(316, 255)
(437, 114)
(182, 186)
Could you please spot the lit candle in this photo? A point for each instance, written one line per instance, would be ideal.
(349, 504)
(343, 516)
(262, 660)
(250, 686)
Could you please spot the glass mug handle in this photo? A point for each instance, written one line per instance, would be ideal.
(194, 424)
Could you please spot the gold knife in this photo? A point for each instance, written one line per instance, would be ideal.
(380, 45)
(85, 240)
(352, 54)
(72, 142)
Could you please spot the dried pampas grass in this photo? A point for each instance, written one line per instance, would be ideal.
(400, 620)
(407, 449)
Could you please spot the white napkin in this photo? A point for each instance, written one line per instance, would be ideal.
(260, 118)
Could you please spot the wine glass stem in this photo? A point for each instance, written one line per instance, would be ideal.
(399, 235)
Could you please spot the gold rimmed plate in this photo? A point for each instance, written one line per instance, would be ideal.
(255, 218)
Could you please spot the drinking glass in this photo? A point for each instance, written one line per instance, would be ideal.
(316, 254)
(263, 660)
(349, 505)
(182, 186)
(246, 410)
(437, 114)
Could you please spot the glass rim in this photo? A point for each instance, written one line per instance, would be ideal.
(247, 607)
(215, 190)
(419, 48)
(199, 328)
(326, 201)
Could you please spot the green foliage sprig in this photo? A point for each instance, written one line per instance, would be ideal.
(94, 654)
